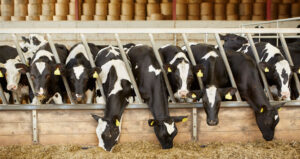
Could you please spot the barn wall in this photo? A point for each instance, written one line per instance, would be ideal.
(78, 127)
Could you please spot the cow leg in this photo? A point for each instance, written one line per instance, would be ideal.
(57, 98)
(89, 96)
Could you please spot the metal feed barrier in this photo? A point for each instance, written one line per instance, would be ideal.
(150, 31)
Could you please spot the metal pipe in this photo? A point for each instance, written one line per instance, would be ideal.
(266, 85)
(128, 68)
(158, 58)
(2, 95)
(56, 57)
(92, 62)
(273, 21)
(224, 57)
(289, 58)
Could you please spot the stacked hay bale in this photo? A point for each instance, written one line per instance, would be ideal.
(284, 9)
(220, 9)
(88, 10)
(61, 10)
(232, 10)
(207, 10)
(181, 9)
(153, 10)
(127, 10)
(295, 9)
(274, 9)
(259, 10)
(34, 10)
(72, 10)
(140, 10)
(48, 10)
(166, 9)
(114, 10)
(7, 10)
(20, 10)
(101, 10)
(245, 9)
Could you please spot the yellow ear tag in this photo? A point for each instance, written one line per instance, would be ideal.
(228, 96)
(1, 75)
(278, 109)
(169, 69)
(199, 73)
(117, 123)
(184, 120)
(152, 123)
(262, 110)
(57, 72)
(299, 71)
(194, 95)
(266, 69)
(95, 75)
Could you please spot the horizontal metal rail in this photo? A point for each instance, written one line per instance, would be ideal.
(272, 21)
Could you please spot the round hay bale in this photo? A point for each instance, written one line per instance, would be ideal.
(247, 1)
(193, 10)
(284, 9)
(261, 1)
(85, 1)
(115, 1)
(59, 18)
(140, 9)
(234, 1)
(258, 17)
(295, 11)
(153, 1)
(101, 9)
(274, 10)
(181, 9)
(71, 17)
(126, 17)
(181, 17)
(46, 17)
(220, 1)
(7, 10)
(61, 9)
(220, 17)
(245, 9)
(259, 9)
(127, 1)
(153, 8)
(99, 17)
(18, 18)
(141, 1)
(20, 10)
(5, 18)
(72, 8)
(138, 17)
(48, 9)
(245, 17)
(207, 9)
(20, 2)
(156, 16)
(231, 9)
(34, 2)
(194, 1)
(219, 9)
(113, 17)
(207, 17)
(114, 9)
(33, 18)
(102, 1)
(88, 9)
(168, 17)
(166, 8)
(49, 1)
(283, 16)
(87, 17)
(232, 17)
(181, 1)
(288, 1)
(127, 9)
(166, 1)
(7, 2)
(34, 10)
(193, 17)
(276, 1)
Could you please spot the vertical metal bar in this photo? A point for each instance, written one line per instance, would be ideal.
(77, 9)
(193, 61)
(128, 68)
(33, 113)
(56, 57)
(277, 26)
(266, 85)
(174, 9)
(206, 38)
(289, 58)
(3, 98)
(158, 58)
(92, 62)
(268, 8)
(224, 57)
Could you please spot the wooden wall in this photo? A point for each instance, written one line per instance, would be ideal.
(78, 127)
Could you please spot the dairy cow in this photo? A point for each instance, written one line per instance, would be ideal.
(276, 68)
(153, 91)
(118, 89)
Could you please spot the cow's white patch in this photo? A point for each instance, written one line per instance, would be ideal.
(41, 91)
(40, 66)
(12, 73)
(99, 131)
(138, 45)
(41, 53)
(165, 46)
(271, 51)
(136, 67)
(121, 71)
(152, 69)
(177, 56)
(79, 49)
(276, 117)
(89, 96)
(170, 127)
(57, 98)
(100, 100)
(113, 51)
(280, 66)
(78, 70)
(183, 68)
(211, 94)
(184, 47)
(42, 40)
(210, 54)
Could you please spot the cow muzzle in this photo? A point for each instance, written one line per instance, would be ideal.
(285, 95)
(79, 97)
(12, 87)
(212, 122)
(183, 94)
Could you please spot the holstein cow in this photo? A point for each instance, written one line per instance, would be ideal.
(79, 73)
(276, 68)
(179, 70)
(210, 67)
(153, 91)
(117, 89)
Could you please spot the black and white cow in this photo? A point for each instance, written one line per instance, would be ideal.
(276, 68)
(210, 67)
(179, 70)
(153, 91)
(118, 89)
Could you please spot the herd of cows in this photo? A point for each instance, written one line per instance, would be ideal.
(110, 68)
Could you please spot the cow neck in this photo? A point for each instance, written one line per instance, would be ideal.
(275, 59)
(212, 71)
(115, 106)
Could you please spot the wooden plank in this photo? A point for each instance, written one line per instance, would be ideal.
(67, 127)
(67, 115)
(206, 137)
(15, 116)
(82, 139)
(16, 140)
(15, 129)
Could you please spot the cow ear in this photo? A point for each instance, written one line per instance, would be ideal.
(278, 106)
(2, 72)
(116, 120)
(265, 67)
(94, 72)
(199, 70)
(25, 39)
(23, 68)
(169, 68)
(59, 69)
(196, 94)
(177, 119)
(152, 122)
(96, 117)
(227, 92)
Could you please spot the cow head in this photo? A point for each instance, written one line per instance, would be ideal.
(165, 130)
(280, 74)
(233, 42)
(211, 98)
(267, 118)
(25, 44)
(108, 131)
